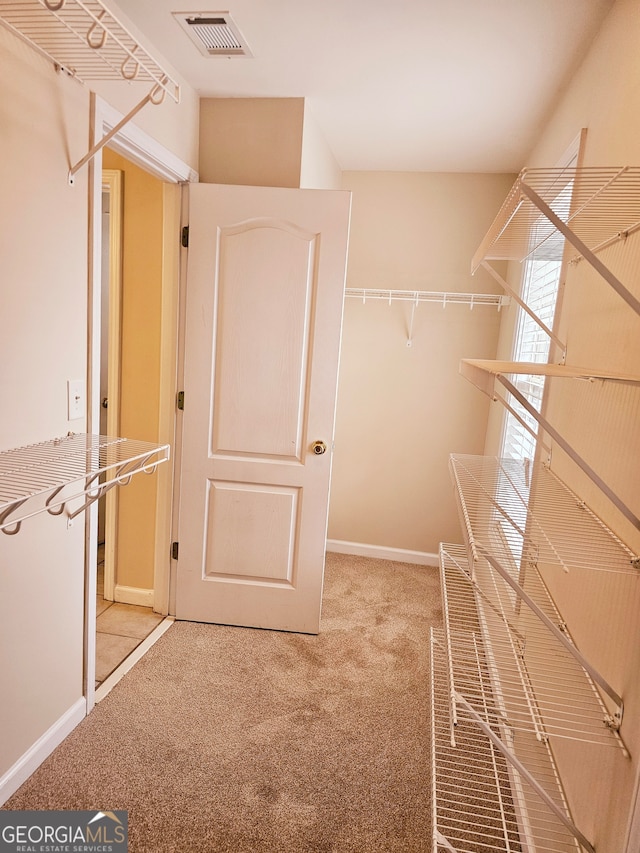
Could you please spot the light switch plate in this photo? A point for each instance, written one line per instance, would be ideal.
(75, 399)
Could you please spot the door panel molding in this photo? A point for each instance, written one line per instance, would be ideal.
(231, 507)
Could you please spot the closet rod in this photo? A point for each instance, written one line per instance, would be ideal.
(444, 298)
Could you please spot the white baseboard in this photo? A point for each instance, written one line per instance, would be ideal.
(133, 595)
(379, 552)
(41, 749)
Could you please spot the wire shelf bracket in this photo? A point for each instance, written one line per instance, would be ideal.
(86, 41)
(486, 374)
(516, 298)
(442, 298)
(47, 476)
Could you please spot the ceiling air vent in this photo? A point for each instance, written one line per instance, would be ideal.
(213, 33)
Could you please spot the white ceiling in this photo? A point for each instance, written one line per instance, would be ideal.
(412, 85)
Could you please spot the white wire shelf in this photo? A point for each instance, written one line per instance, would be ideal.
(86, 40)
(415, 297)
(442, 298)
(589, 207)
(83, 39)
(538, 686)
(539, 516)
(595, 203)
(487, 375)
(47, 476)
(494, 790)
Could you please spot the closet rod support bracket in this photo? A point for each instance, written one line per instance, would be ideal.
(155, 96)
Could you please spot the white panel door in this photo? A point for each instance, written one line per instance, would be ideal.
(265, 286)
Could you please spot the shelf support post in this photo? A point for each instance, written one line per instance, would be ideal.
(586, 253)
(562, 346)
(155, 96)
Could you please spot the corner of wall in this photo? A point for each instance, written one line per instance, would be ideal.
(319, 168)
(251, 141)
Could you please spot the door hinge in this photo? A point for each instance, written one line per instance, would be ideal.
(180, 401)
(184, 237)
(175, 547)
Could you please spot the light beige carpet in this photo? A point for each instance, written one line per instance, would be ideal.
(233, 740)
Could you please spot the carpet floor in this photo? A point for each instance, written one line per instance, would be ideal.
(234, 740)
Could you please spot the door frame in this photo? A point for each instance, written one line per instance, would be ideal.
(145, 152)
(112, 184)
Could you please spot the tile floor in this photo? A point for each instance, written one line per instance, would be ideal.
(120, 628)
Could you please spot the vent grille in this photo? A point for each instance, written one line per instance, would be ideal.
(213, 33)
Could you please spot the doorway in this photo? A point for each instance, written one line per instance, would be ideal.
(132, 212)
(110, 329)
(147, 586)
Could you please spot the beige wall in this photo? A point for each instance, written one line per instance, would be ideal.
(401, 411)
(272, 142)
(602, 610)
(319, 169)
(43, 305)
(252, 141)
(140, 363)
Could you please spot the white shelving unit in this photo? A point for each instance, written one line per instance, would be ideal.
(588, 208)
(488, 375)
(84, 39)
(48, 476)
(510, 685)
(507, 677)
(484, 798)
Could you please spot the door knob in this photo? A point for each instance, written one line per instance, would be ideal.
(319, 447)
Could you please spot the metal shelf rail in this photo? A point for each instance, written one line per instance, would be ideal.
(86, 41)
(588, 207)
(47, 476)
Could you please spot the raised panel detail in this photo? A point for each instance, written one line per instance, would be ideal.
(264, 297)
(250, 532)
